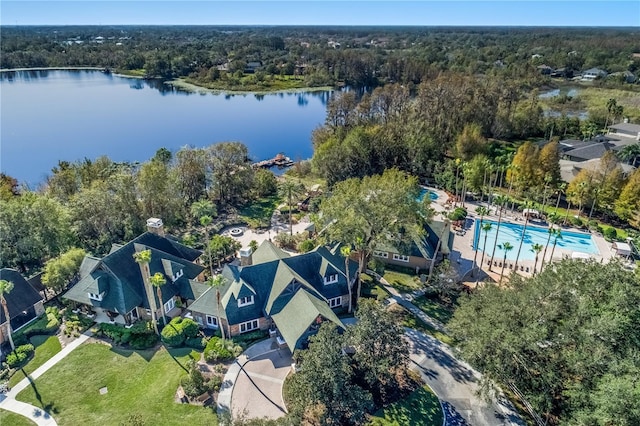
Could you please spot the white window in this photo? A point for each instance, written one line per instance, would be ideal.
(212, 321)
(400, 257)
(169, 305)
(94, 296)
(330, 279)
(244, 301)
(248, 326)
(382, 254)
(177, 275)
(335, 302)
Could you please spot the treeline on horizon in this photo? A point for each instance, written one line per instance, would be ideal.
(354, 56)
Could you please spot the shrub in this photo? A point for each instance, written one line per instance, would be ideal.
(172, 335)
(246, 339)
(576, 221)
(195, 343)
(20, 355)
(178, 330)
(143, 341)
(306, 246)
(219, 350)
(610, 233)
(214, 383)
(139, 336)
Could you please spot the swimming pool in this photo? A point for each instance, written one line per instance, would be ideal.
(424, 191)
(511, 232)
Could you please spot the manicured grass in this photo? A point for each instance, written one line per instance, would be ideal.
(260, 211)
(407, 319)
(9, 418)
(45, 348)
(404, 283)
(434, 309)
(420, 408)
(372, 289)
(139, 383)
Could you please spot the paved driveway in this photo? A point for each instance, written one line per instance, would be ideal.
(257, 391)
(456, 385)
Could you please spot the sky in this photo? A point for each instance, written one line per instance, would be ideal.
(600, 13)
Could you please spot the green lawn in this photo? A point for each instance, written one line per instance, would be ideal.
(434, 309)
(407, 319)
(404, 283)
(372, 289)
(139, 383)
(9, 418)
(420, 408)
(259, 212)
(45, 348)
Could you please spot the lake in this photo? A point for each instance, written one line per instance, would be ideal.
(47, 116)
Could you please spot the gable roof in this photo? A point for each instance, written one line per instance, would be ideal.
(295, 318)
(21, 298)
(267, 251)
(118, 278)
(626, 127)
(425, 246)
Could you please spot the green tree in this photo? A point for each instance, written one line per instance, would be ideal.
(565, 338)
(5, 288)
(253, 245)
(190, 172)
(485, 228)
(557, 235)
(381, 354)
(549, 162)
(203, 208)
(157, 280)
(290, 189)
(536, 248)
(265, 183)
(627, 206)
(373, 210)
(326, 381)
(217, 282)
(525, 166)
(501, 202)
(61, 270)
(482, 211)
(143, 258)
(345, 251)
(157, 188)
(470, 142)
(231, 173)
(506, 247)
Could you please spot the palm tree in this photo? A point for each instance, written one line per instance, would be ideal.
(158, 280)
(205, 221)
(457, 162)
(536, 248)
(486, 228)
(5, 288)
(482, 211)
(143, 258)
(346, 252)
(500, 201)
(630, 153)
(570, 195)
(218, 282)
(527, 205)
(561, 188)
(506, 247)
(289, 189)
(557, 236)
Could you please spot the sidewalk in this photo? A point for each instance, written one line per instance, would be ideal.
(37, 415)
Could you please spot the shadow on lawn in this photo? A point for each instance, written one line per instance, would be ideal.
(48, 409)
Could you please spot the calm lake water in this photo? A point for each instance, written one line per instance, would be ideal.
(47, 116)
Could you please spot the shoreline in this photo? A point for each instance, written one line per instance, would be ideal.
(194, 88)
(179, 83)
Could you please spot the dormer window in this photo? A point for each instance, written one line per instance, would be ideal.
(177, 275)
(245, 301)
(330, 279)
(94, 296)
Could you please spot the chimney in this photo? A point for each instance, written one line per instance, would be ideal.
(246, 256)
(154, 225)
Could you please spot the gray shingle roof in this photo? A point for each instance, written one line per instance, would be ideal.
(21, 298)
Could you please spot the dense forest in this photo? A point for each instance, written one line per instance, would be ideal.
(237, 57)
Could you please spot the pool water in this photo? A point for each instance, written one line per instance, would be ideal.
(432, 195)
(511, 232)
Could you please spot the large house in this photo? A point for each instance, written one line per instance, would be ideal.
(113, 288)
(24, 303)
(288, 295)
(420, 252)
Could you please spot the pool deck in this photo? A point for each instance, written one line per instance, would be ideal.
(463, 254)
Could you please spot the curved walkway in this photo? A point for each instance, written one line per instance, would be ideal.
(36, 414)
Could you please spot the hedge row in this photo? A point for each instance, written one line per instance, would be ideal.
(139, 336)
(178, 331)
